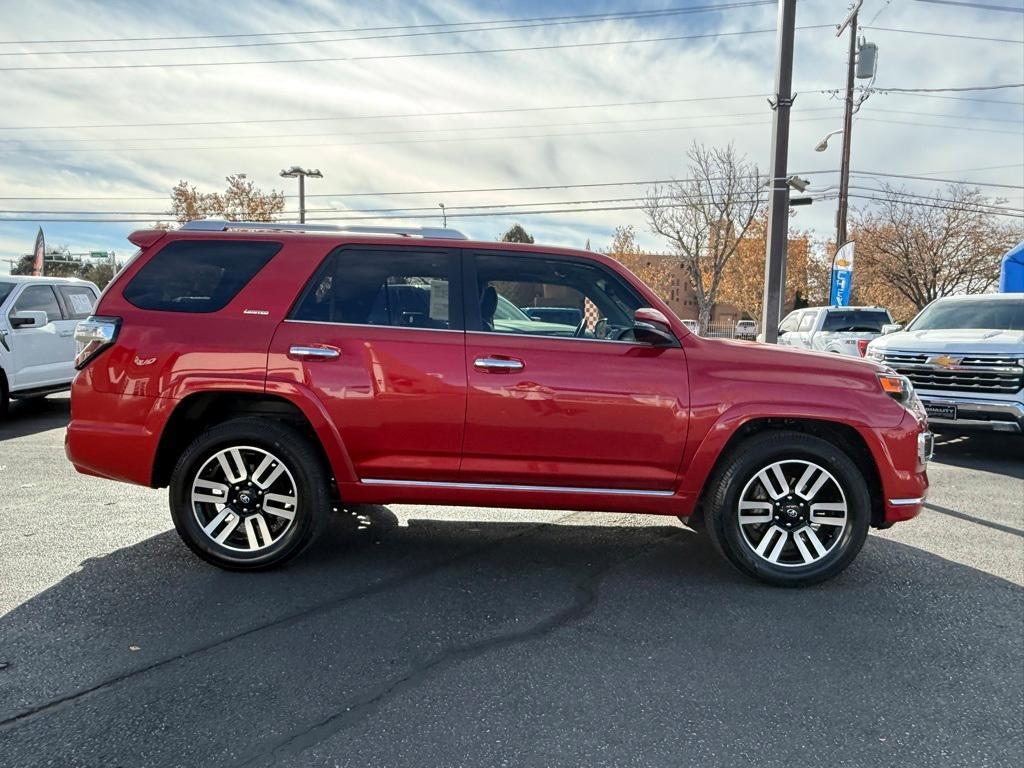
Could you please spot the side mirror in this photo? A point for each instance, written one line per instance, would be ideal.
(650, 326)
(29, 319)
(891, 328)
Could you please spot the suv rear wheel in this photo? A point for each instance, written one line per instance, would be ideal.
(789, 509)
(249, 494)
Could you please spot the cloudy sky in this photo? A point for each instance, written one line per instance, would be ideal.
(109, 122)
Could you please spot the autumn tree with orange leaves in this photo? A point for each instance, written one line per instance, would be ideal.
(241, 200)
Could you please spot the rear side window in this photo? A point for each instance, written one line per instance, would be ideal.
(39, 298)
(405, 289)
(857, 321)
(79, 300)
(198, 275)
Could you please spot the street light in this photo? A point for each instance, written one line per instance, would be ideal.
(444, 215)
(822, 145)
(301, 173)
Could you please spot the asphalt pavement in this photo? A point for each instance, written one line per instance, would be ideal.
(419, 636)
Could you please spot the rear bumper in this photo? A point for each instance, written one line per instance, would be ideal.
(114, 436)
(990, 415)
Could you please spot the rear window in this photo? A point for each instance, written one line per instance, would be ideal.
(857, 321)
(198, 275)
(78, 299)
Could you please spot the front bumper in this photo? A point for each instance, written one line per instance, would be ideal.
(991, 415)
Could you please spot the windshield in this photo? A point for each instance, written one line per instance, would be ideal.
(975, 314)
(857, 321)
(5, 291)
(506, 310)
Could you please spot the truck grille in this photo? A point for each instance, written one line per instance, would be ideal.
(960, 373)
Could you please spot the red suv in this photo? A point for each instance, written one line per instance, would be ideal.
(270, 373)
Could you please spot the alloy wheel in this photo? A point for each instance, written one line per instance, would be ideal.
(244, 498)
(792, 513)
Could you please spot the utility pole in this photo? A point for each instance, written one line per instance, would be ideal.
(844, 168)
(301, 173)
(778, 206)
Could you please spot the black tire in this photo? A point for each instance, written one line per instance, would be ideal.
(304, 470)
(739, 471)
(5, 398)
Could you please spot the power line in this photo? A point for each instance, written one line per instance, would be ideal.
(513, 137)
(950, 205)
(380, 132)
(931, 125)
(590, 185)
(921, 177)
(975, 6)
(391, 56)
(516, 137)
(318, 31)
(392, 115)
(937, 90)
(945, 34)
(541, 21)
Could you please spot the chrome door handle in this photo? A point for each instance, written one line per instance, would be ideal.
(313, 353)
(497, 365)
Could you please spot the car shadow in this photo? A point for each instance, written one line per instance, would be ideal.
(1001, 453)
(439, 642)
(35, 415)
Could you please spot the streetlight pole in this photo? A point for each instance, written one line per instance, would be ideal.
(844, 168)
(778, 206)
(301, 173)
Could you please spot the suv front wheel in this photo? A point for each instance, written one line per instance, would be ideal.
(789, 508)
(249, 494)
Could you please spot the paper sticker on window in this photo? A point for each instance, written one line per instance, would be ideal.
(80, 303)
(439, 300)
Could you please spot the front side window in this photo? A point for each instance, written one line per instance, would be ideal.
(401, 288)
(38, 298)
(508, 285)
(198, 275)
(790, 323)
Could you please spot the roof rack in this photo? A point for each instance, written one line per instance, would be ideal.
(221, 225)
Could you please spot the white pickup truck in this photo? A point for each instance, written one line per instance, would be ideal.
(38, 316)
(965, 355)
(842, 330)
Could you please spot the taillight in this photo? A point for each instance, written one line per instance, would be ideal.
(93, 335)
(862, 346)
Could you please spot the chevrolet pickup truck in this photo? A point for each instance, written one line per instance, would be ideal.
(965, 356)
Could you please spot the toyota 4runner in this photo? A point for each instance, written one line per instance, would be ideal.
(270, 373)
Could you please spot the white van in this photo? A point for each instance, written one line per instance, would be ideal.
(38, 316)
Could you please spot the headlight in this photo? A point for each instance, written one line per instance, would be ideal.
(900, 389)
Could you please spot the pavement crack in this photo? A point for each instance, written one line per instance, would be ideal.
(586, 594)
(384, 585)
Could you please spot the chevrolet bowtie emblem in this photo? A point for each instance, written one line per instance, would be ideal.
(944, 361)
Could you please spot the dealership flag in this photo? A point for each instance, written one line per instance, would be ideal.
(40, 249)
(842, 276)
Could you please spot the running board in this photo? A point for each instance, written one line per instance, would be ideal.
(501, 487)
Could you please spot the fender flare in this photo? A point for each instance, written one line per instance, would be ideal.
(706, 454)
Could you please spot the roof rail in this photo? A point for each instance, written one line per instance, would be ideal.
(221, 225)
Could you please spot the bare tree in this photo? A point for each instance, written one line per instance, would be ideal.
(925, 248)
(704, 217)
